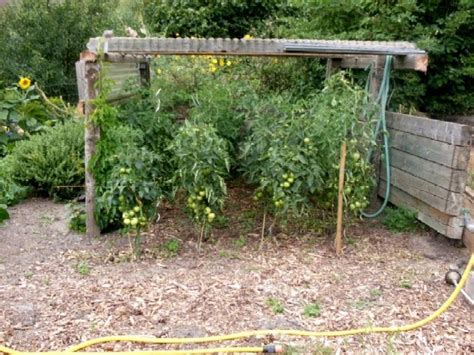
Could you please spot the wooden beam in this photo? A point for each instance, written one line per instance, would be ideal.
(357, 57)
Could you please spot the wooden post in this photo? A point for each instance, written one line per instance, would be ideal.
(340, 202)
(377, 75)
(87, 71)
(145, 75)
(332, 65)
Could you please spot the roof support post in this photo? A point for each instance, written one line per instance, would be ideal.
(87, 71)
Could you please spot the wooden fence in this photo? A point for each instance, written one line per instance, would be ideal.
(429, 166)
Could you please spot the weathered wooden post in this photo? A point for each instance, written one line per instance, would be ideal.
(87, 72)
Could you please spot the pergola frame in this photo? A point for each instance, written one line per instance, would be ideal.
(339, 54)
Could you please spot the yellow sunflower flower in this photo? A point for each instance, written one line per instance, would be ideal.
(24, 83)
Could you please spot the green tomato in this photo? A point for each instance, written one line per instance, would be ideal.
(286, 184)
(202, 193)
(356, 156)
(259, 194)
(134, 222)
(211, 216)
(121, 198)
(136, 209)
(192, 205)
(352, 206)
(207, 210)
(131, 213)
(129, 171)
(199, 198)
(306, 140)
(284, 176)
(123, 170)
(291, 180)
(358, 204)
(125, 215)
(126, 221)
(190, 200)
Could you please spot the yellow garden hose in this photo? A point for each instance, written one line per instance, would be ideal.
(247, 334)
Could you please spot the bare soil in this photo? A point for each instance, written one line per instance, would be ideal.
(58, 289)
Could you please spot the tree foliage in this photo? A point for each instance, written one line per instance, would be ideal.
(443, 27)
(42, 39)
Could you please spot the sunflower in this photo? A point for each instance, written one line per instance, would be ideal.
(24, 83)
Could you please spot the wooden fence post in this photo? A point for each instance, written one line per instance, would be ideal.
(87, 71)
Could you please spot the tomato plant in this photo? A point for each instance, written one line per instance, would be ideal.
(202, 162)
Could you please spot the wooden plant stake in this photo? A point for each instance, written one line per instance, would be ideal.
(340, 202)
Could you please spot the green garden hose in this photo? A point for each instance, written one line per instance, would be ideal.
(382, 99)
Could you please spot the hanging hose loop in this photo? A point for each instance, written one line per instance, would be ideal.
(381, 128)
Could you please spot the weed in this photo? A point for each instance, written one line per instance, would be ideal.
(321, 349)
(228, 254)
(83, 269)
(312, 310)
(241, 242)
(405, 283)
(400, 220)
(350, 241)
(275, 305)
(375, 293)
(47, 281)
(221, 222)
(28, 274)
(361, 304)
(171, 247)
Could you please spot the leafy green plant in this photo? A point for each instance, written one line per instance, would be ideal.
(275, 305)
(312, 310)
(202, 162)
(400, 219)
(52, 161)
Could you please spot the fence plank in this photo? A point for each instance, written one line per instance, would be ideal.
(443, 153)
(448, 132)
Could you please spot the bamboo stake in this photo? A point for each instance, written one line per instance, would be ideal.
(340, 202)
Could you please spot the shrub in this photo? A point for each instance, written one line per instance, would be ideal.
(10, 191)
(52, 161)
